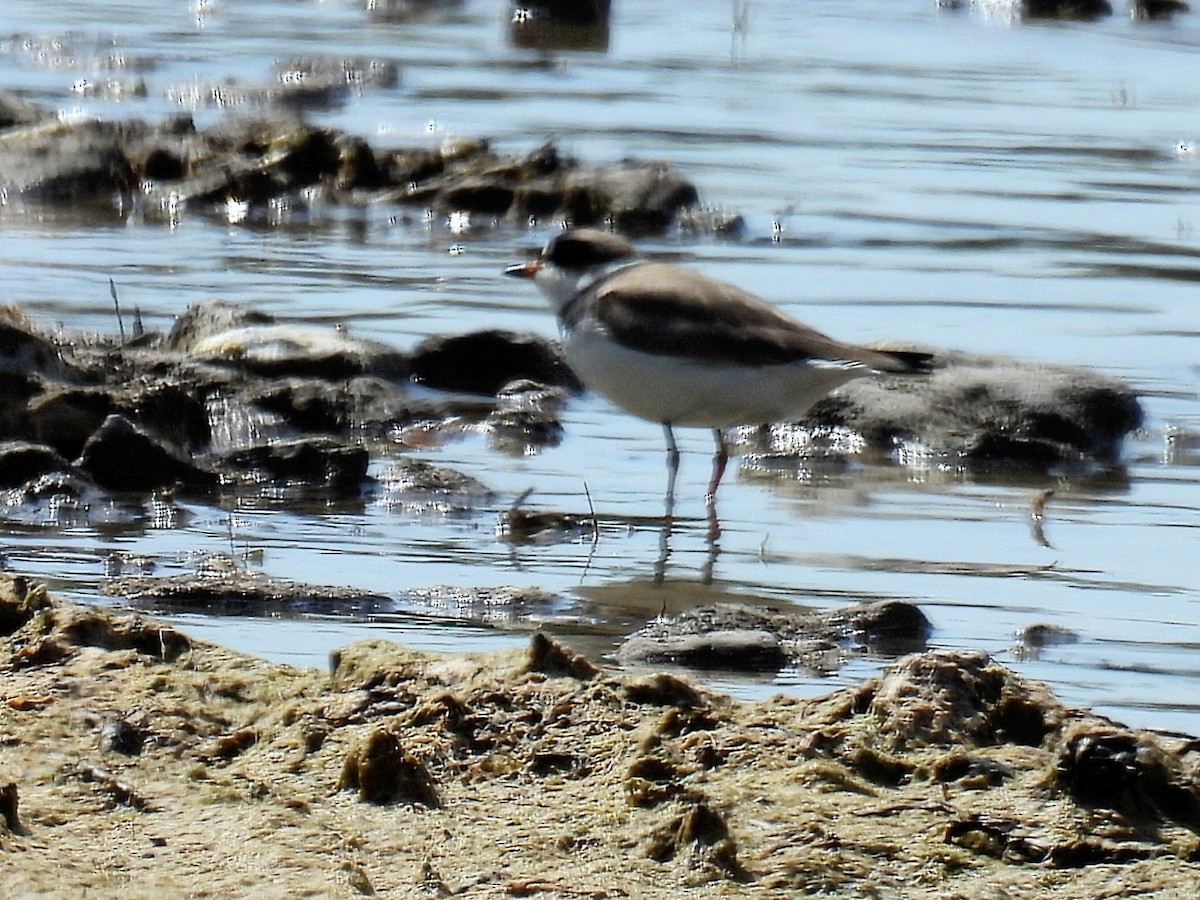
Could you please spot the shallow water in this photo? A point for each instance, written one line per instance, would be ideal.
(904, 173)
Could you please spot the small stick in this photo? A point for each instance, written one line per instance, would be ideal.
(592, 513)
(112, 289)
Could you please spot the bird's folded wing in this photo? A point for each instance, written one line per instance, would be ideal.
(671, 311)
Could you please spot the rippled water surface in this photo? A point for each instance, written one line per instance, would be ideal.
(904, 173)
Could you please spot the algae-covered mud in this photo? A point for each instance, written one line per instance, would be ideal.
(139, 762)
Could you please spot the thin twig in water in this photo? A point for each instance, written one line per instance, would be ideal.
(521, 498)
(592, 513)
(112, 289)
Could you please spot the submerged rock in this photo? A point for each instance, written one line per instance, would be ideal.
(748, 639)
(221, 585)
(322, 462)
(417, 486)
(526, 418)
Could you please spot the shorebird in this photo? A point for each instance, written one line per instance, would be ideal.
(678, 348)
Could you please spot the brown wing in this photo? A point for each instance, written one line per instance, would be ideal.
(675, 312)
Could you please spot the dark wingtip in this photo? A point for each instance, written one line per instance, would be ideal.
(912, 362)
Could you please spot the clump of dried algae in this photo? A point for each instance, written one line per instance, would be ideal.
(135, 761)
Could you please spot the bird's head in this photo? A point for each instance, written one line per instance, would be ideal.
(573, 260)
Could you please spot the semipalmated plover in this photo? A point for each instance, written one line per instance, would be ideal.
(679, 348)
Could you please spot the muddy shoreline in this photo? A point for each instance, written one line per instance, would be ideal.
(137, 761)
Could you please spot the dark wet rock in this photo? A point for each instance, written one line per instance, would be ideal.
(415, 476)
(1034, 639)
(195, 404)
(238, 165)
(955, 697)
(222, 585)
(742, 649)
(254, 169)
(382, 772)
(483, 362)
(68, 163)
(124, 456)
(113, 90)
(65, 499)
(364, 404)
(174, 407)
(276, 350)
(990, 414)
(64, 418)
(318, 462)
(637, 198)
(21, 461)
(549, 25)
(1158, 10)
(16, 110)
(74, 51)
(1066, 10)
(567, 12)
(15, 392)
(744, 638)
